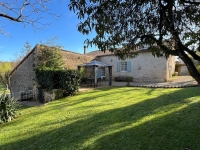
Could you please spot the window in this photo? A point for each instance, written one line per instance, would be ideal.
(123, 66)
(103, 74)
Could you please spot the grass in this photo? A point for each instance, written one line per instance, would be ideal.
(124, 118)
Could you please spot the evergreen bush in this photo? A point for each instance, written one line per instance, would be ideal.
(124, 78)
(45, 78)
(70, 81)
(8, 108)
(67, 80)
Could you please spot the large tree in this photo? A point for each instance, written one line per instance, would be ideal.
(28, 12)
(169, 27)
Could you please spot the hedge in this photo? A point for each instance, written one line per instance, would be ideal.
(58, 79)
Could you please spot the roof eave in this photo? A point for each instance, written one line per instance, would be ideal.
(24, 59)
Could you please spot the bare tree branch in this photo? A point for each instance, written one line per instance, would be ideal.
(27, 12)
(11, 18)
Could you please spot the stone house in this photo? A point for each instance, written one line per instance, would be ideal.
(23, 78)
(143, 68)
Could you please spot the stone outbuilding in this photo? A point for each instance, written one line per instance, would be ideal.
(23, 77)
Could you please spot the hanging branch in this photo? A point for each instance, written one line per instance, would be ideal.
(27, 12)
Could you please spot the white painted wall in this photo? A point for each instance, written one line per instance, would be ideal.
(184, 71)
(144, 68)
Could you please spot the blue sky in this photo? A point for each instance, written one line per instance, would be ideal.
(65, 28)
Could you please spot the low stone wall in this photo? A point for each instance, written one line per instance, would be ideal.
(45, 96)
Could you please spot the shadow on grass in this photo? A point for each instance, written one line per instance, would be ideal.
(166, 122)
(175, 131)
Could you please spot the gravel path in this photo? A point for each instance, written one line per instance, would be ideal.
(177, 81)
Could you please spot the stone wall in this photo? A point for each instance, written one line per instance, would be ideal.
(184, 71)
(170, 66)
(22, 78)
(144, 68)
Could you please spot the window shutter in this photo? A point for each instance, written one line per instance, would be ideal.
(128, 66)
(99, 73)
(118, 66)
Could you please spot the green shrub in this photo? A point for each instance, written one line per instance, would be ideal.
(45, 78)
(128, 79)
(120, 78)
(70, 80)
(40, 95)
(82, 72)
(67, 80)
(123, 78)
(8, 108)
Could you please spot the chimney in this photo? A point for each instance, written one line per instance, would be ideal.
(85, 49)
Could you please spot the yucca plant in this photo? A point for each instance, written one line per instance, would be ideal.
(8, 108)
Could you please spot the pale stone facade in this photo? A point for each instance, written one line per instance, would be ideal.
(23, 77)
(184, 71)
(144, 68)
(181, 68)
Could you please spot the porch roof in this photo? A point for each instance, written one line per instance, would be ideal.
(95, 63)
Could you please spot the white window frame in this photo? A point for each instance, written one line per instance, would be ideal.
(123, 66)
(103, 72)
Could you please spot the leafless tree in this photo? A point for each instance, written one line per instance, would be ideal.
(28, 12)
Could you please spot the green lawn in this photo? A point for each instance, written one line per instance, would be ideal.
(115, 118)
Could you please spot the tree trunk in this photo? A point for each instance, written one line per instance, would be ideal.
(190, 65)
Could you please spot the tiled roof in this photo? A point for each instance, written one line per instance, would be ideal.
(71, 59)
(107, 52)
(99, 53)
